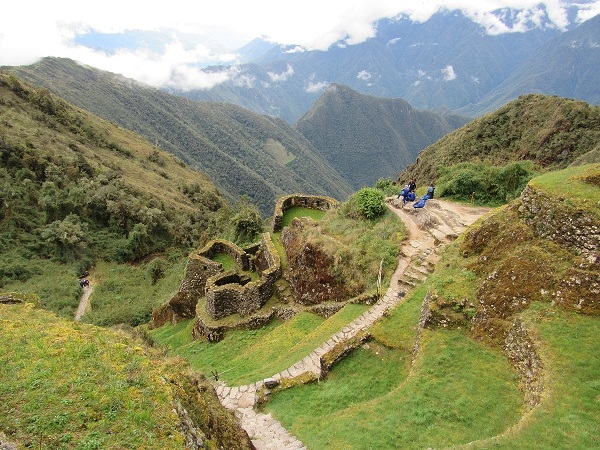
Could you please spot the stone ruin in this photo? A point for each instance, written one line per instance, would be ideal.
(226, 292)
(320, 202)
(229, 292)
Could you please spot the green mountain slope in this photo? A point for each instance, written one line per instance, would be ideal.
(242, 152)
(75, 189)
(551, 132)
(366, 138)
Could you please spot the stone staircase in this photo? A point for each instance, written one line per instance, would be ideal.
(430, 229)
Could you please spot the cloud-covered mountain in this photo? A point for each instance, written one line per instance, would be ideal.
(567, 65)
(448, 61)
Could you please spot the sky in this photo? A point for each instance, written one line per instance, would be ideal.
(191, 34)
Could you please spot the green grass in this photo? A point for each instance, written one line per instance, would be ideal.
(229, 263)
(568, 414)
(277, 346)
(569, 182)
(75, 386)
(297, 211)
(370, 401)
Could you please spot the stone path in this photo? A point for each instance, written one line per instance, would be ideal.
(429, 229)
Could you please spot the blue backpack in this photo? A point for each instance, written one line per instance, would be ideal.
(420, 203)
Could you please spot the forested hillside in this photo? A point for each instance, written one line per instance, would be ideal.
(495, 155)
(243, 153)
(366, 138)
(76, 190)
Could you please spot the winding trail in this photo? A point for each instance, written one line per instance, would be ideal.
(429, 230)
(84, 303)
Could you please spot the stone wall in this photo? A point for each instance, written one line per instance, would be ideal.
(229, 248)
(320, 202)
(216, 332)
(230, 293)
(183, 304)
(523, 356)
(555, 219)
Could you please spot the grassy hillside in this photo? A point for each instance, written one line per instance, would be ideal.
(366, 138)
(72, 386)
(488, 156)
(242, 152)
(76, 190)
(461, 390)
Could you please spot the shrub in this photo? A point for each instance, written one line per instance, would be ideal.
(369, 202)
(156, 270)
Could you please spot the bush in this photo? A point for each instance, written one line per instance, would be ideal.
(156, 270)
(491, 184)
(387, 186)
(369, 202)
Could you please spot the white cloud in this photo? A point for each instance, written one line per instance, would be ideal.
(279, 77)
(31, 29)
(448, 73)
(296, 49)
(316, 87)
(188, 78)
(393, 41)
(363, 75)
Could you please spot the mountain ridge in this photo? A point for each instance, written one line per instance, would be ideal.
(366, 138)
(228, 143)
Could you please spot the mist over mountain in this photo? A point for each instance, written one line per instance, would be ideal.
(448, 61)
(366, 138)
(566, 66)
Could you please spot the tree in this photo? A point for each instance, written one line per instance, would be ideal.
(66, 237)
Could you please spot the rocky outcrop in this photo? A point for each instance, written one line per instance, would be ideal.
(311, 264)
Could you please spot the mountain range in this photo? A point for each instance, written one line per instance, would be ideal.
(449, 61)
(347, 140)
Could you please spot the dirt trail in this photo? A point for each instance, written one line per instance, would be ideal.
(84, 303)
(429, 230)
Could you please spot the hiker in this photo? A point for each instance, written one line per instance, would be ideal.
(403, 193)
(412, 186)
(407, 195)
(430, 190)
(421, 202)
(83, 282)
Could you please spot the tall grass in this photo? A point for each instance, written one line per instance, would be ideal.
(56, 284)
(125, 293)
